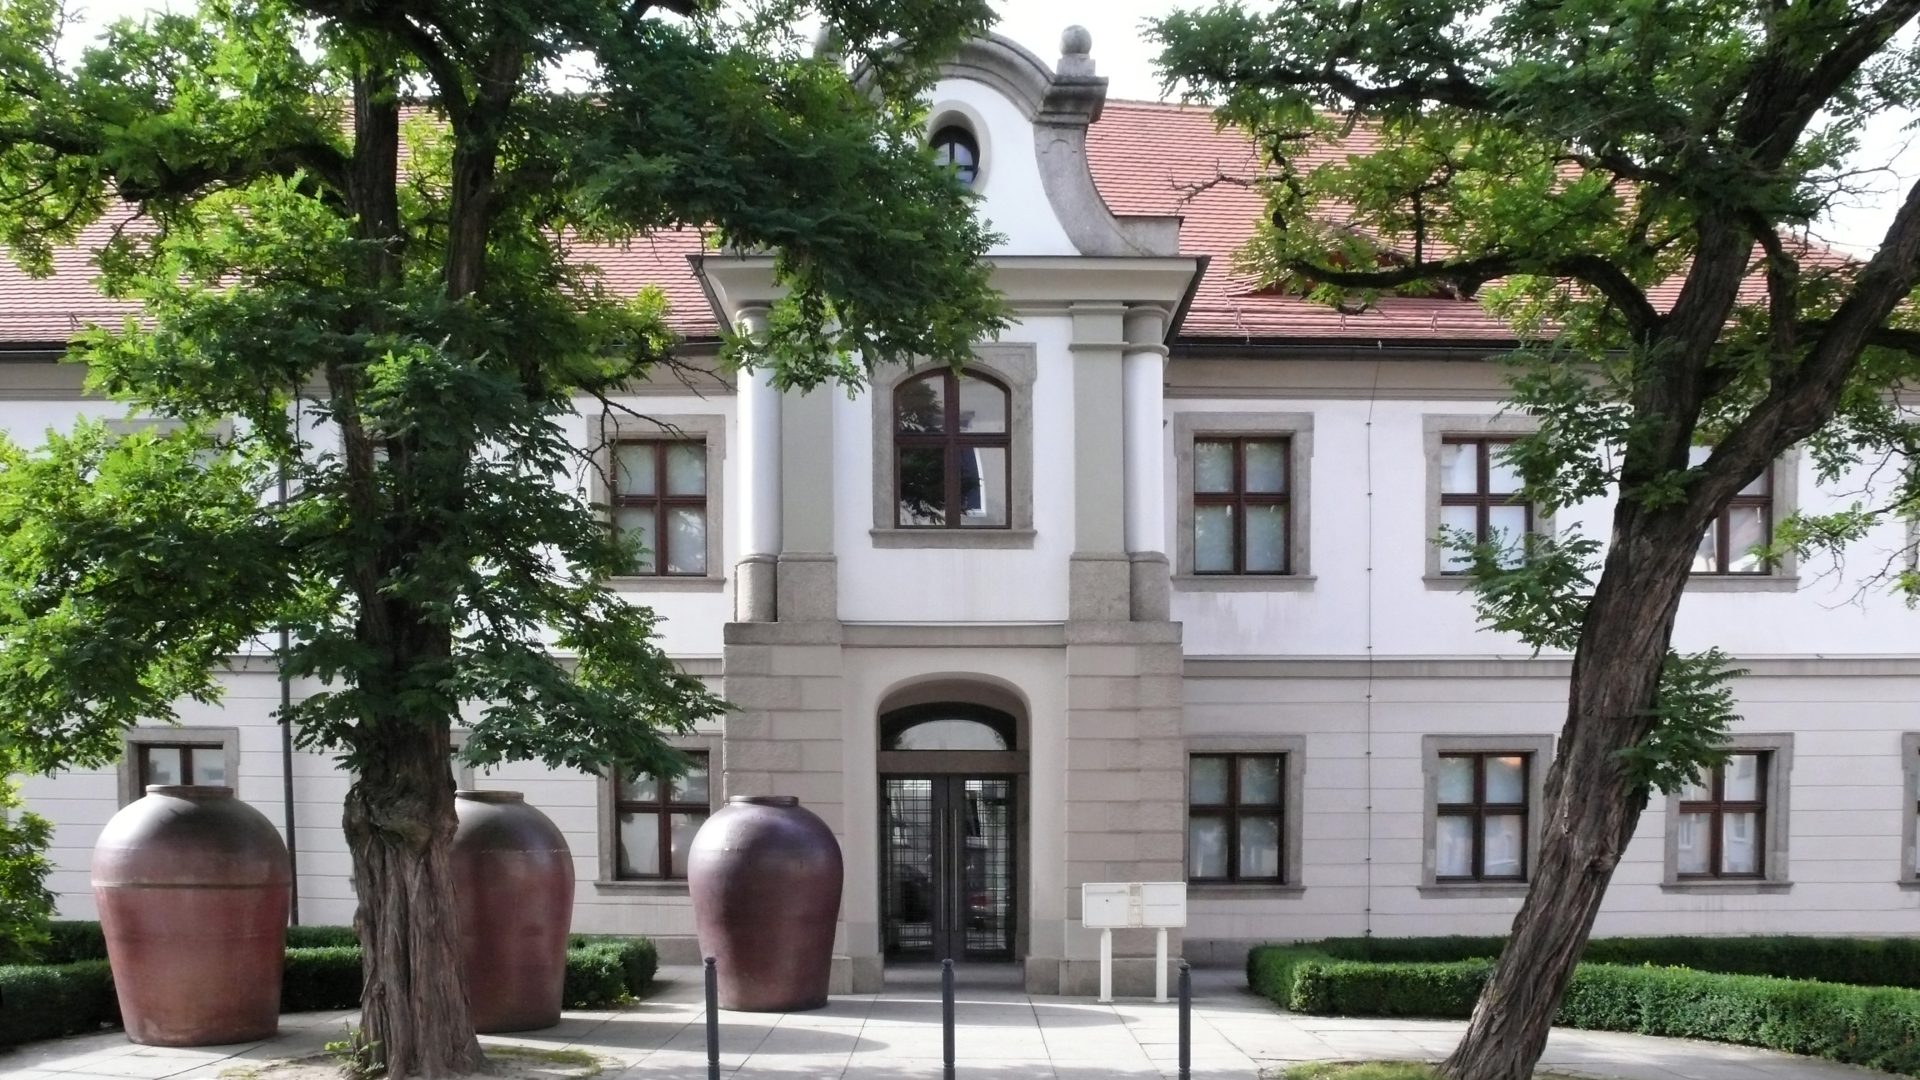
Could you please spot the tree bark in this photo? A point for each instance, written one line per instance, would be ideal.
(1592, 804)
(399, 825)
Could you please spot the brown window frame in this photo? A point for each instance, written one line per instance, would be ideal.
(1233, 811)
(186, 762)
(951, 442)
(660, 503)
(662, 807)
(1480, 810)
(1717, 806)
(1239, 498)
(1483, 499)
(1723, 530)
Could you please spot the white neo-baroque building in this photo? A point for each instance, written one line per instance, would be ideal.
(1148, 593)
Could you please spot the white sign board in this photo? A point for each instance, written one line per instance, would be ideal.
(1106, 905)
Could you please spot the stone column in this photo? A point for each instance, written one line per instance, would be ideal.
(1098, 580)
(758, 418)
(1144, 373)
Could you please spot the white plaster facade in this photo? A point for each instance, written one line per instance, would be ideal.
(820, 619)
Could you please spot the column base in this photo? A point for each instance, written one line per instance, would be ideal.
(755, 588)
(1151, 586)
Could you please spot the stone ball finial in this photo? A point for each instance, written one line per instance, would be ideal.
(1076, 41)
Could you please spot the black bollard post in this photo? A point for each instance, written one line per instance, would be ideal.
(1186, 1021)
(946, 1016)
(713, 1022)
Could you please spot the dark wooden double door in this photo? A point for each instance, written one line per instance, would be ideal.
(947, 865)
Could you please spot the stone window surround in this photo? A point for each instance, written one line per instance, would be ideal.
(1779, 749)
(963, 116)
(1297, 429)
(1292, 810)
(1785, 576)
(710, 428)
(1016, 367)
(607, 879)
(1434, 432)
(226, 738)
(1909, 809)
(1539, 751)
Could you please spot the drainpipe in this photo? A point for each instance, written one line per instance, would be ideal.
(286, 736)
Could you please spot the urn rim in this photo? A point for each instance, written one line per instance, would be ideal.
(765, 800)
(490, 796)
(190, 791)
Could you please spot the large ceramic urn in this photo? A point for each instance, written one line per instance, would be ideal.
(513, 888)
(192, 886)
(765, 875)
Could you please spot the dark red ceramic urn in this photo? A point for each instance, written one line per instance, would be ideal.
(513, 887)
(765, 875)
(192, 886)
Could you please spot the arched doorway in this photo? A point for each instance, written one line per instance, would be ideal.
(951, 830)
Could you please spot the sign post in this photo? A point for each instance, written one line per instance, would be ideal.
(1107, 905)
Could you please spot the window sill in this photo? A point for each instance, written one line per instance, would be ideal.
(665, 583)
(1730, 583)
(1243, 582)
(676, 887)
(1726, 888)
(1474, 890)
(1233, 890)
(977, 539)
(1448, 582)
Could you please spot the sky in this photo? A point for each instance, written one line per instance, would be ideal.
(1122, 53)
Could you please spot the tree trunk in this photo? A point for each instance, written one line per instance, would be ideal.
(399, 823)
(1587, 822)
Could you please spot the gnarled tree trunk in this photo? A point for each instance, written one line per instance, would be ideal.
(1592, 805)
(399, 824)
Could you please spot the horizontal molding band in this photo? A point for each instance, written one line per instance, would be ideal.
(1491, 667)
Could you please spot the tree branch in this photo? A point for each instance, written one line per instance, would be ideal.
(1594, 271)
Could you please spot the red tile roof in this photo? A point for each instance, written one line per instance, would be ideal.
(1147, 158)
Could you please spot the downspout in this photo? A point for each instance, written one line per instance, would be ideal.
(286, 732)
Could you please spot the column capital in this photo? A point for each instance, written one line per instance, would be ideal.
(750, 320)
(1146, 328)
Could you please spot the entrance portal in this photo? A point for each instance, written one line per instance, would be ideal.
(950, 832)
(947, 867)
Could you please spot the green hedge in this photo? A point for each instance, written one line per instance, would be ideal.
(322, 972)
(1875, 1026)
(44, 1001)
(1848, 960)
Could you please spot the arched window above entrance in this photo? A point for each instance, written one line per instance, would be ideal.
(944, 726)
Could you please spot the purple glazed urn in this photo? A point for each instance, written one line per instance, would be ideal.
(193, 887)
(513, 888)
(765, 874)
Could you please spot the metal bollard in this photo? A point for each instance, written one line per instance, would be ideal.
(713, 1022)
(1186, 1022)
(946, 1016)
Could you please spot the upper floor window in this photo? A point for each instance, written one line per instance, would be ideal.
(1240, 506)
(956, 148)
(660, 504)
(1734, 541)
(654, 820)
(952, 452)
(1234, 817)
(1723, 817)
(1480, 497)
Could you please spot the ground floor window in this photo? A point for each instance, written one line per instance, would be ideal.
(178, 756)
(654, 820)
(1723, 815)
(1235, 817)
(1480, 830)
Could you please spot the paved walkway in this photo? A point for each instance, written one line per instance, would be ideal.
(1002, 1034)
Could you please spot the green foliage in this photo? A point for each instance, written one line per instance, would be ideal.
(26, 904)
(321, 977)
(358, 1054)
(48, 1001)
(1873, 1025)
(73, 940)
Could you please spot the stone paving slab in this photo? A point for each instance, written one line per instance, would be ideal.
(1002, 1034)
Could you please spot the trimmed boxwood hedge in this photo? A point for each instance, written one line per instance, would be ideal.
(75, 994)
(1875, 1026)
